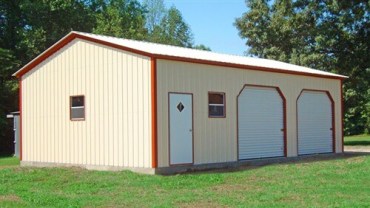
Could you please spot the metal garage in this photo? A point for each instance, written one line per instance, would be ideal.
(315, 122)
(110, 103)
(261, 122)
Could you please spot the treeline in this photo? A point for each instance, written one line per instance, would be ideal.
(329, 35)
(28, 27)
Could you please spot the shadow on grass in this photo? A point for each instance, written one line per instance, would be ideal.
(259, 163)
(357, 143)
(6, 156)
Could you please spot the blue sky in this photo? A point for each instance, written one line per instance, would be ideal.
(212, 21)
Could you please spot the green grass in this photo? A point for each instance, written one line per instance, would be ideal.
(343, 182)
(8, 161)
(361, 140)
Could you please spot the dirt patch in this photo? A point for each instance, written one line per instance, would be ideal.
(7, 166)
(233, 188)
(357, 159)
(292, 198)
(356, 148)
(230, 185)
(201, 204)
(12, 198)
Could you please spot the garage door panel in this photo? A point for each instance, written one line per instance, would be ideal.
(314, 116)
(265, 153)
(260, 123)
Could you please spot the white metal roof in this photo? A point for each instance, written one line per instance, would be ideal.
(167, 50)
(195, 54)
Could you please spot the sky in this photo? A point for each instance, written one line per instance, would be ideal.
(211, 22)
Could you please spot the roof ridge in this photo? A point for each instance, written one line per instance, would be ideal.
(203, 51)
(167, 45)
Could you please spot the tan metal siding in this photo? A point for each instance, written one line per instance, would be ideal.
(215, 138)
(116, 86)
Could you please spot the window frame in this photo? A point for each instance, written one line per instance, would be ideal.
(71, 107)
(224, 104)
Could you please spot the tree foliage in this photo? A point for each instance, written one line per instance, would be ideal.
(156, 10)
(202, 47)
(173, 30)
(327, 35)
(167, 25)
(120, 18)
(8, 97)
(44, 22)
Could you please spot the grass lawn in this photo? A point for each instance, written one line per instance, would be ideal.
(361, 140)
(8, 161)
(343, 182)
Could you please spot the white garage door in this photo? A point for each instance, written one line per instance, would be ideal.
(260, 123)
(315, 130)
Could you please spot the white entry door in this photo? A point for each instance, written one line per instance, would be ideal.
(315, 127)
(181, 128)
(260, 123)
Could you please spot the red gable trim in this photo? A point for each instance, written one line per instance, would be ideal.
(64, 41)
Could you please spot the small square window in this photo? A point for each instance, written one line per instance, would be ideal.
(77, 108)
(216, 105)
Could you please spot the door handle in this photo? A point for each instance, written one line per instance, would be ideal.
(190, 130)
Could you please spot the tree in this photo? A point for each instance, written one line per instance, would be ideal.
(167, 26)
(10, 26)
(326, 35)
(120, 18)
(202, 47)
(45, 22)
(8, 93)
(173, 30)
(156, 10)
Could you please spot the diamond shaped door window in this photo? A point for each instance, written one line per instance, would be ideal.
(180, 107)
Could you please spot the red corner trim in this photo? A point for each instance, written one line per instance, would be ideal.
(154, 112)
(342, 112)
(20, 120)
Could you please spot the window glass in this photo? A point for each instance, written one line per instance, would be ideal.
(77, 108)
(216, 104)
(77, 101)
(216, 98)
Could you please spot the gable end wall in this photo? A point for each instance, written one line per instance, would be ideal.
(117, 127)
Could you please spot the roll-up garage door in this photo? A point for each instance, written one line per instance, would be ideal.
(260, 123)
(315, 129)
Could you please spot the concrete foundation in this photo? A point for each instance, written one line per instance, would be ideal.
(150, 171)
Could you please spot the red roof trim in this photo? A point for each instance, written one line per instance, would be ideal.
(50, 51)
(64, 41)
(113, 45)
(241, 66)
